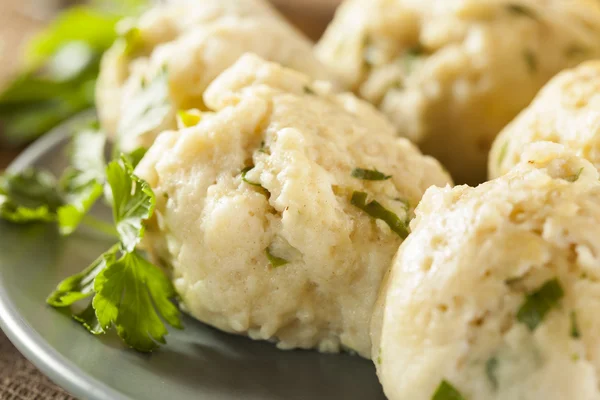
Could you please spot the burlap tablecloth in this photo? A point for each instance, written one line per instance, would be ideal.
(19, 19)
(20, 380)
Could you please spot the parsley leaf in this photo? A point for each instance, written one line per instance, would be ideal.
(376, 210)
(81, 285)
(28, 196)
(369, 175)
(539, 303)
(133, 202)
(574, 177)
(274, 260)
(575, 334)
(132, 294)
(135, 156)
(129, 292)
(445, 391)
(491, 368)
(63, 64)
(148, 107)
(88, 319)
(84, 24)
(82, 182)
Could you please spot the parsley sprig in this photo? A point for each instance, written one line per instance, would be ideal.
(61, 66)
(377, 211)
(128, 292)
(539, 303)
(445, 391)
(123, 290)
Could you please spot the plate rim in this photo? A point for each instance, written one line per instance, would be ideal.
(29, 342)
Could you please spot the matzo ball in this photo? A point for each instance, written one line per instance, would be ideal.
(168, 57)
(281, 210)
(494, 294)
(451, 74)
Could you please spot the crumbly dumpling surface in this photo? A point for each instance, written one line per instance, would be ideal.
(169, 56)
(496, 291)
(566, 111)
(279, 252)
(451, 74)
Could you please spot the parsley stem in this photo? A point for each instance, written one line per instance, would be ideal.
(100, 226)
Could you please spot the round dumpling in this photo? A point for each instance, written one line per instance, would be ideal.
(168, 57)
(496, 293)
(566, 111)
(451, 74)
(281, 209)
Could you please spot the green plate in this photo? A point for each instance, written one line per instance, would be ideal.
(197, 363)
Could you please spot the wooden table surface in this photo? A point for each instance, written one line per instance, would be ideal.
(19, 20)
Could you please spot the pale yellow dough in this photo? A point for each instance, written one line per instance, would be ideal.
(194, 41)
(451, 74)
(566, 111)
(303, 142)
(448, 310)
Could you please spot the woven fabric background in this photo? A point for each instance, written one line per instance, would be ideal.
(19, 19)
(20, 380)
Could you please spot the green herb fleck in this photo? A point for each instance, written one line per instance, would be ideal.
(244, 172)
(539, 303)
(404, 202)
(397, 85)
(513, 281)
(377, 211)
(575, 334)
(189, 118)
(369, 174)
(531, 60)
(574, 177)
(491, 368)
(411, 56)
(275, 261)
(503, 152)
(262, 148)
(446, 391)
(575, 51)
(519, 9)
(308, 90)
